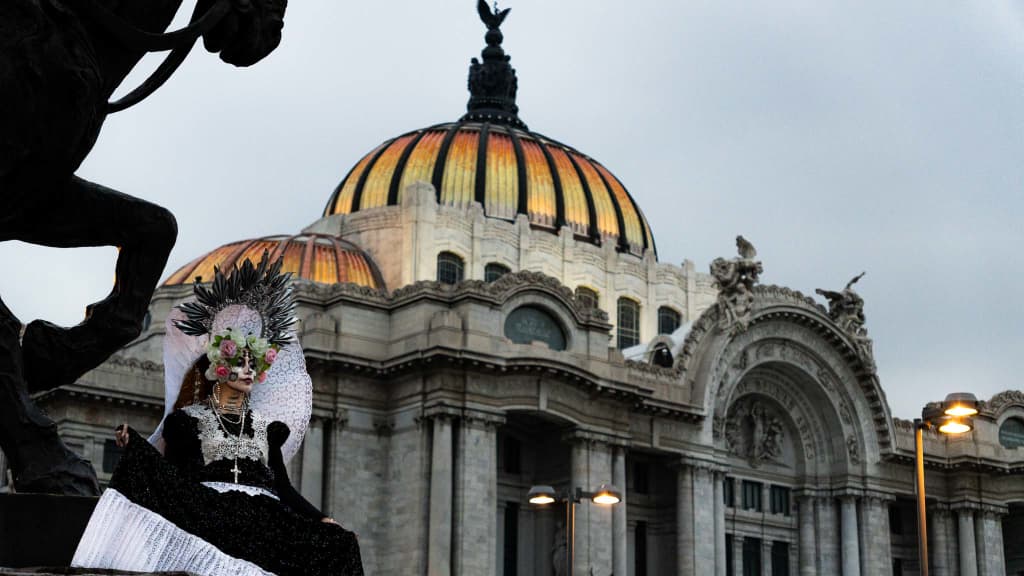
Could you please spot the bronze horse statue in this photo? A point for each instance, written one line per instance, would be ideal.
(60, 63)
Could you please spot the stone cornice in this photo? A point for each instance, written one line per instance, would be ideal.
(1001, 401)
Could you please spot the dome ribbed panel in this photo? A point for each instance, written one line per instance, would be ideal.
(215, 258)
(501, 195)
(342, 203)
(316, 257)
(541, 205)
(635, 230)
(607, 219)
(577, 216)
(459, 183)
(420, 165)
(375, 190)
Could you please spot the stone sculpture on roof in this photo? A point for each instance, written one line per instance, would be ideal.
(846, 309)
(735, 281)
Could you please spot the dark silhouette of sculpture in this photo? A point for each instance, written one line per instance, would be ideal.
(60, 62)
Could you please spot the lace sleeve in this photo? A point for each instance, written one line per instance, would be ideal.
(277, 434)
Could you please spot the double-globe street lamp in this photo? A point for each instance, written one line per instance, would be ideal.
(952, 416)
(606, 495)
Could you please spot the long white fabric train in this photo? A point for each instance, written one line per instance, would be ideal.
(125, 536)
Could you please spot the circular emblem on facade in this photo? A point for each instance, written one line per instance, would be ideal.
(1011, 433)
(528, 324)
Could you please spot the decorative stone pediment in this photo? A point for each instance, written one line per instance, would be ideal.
(1002, 401)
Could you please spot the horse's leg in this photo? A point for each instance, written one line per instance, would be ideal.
(38, 458)
(88, 214)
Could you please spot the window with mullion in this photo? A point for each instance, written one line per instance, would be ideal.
(628, 326)
(668, 320)
(450, 268)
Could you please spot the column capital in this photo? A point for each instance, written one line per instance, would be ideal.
(582, 435)
(440, 412)
(699, 463)
(482, 418)
(881, 498)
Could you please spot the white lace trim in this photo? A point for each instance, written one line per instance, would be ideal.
(250, 490)
(217, 445)
(122, 535)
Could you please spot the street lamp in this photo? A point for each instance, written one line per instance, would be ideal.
(953, 416)
(542, 495)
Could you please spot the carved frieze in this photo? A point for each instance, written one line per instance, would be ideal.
(754, 432)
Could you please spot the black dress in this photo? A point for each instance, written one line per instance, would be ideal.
(284, 536)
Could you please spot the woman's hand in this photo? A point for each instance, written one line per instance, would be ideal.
(328, 520)
(121, 435)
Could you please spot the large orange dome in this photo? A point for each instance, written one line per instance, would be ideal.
(508, 170)
(316, 257)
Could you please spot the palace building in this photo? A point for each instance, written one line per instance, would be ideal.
(482, 310)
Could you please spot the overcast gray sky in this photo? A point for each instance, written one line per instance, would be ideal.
(838, 137)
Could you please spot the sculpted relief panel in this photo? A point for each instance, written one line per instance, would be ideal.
(754, 431)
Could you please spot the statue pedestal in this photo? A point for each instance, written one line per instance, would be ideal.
(41, 529)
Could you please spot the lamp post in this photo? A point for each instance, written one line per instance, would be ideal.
(606, 495)
(953, 416)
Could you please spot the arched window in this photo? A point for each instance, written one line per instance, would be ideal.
(628, 326)
(586, 296)
(493, 271)
(450, 268)
(668, 320)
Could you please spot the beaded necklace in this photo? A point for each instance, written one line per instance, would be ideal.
(241, 429)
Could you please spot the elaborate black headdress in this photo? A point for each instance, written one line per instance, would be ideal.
(262, 287)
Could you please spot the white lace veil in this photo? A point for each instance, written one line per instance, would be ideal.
(286, 395)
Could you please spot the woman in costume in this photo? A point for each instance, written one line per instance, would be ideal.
(218, 501)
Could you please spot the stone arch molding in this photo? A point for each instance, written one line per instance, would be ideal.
(791, 336)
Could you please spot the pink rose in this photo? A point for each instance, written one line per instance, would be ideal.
(261, 377)
(228, 348)
(223, 371)
(270, 356)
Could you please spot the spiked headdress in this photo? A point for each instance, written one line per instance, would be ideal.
(262, 287)
(238, 304)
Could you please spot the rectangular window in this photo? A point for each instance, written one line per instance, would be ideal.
(512, 455)
(780, 500)
(752, 496)
(730, 562)
(729, 492)
(780, 558)
(751, 556)
(895, 520)
(641, 478)
(640, 555)
(111, 454)
(511, 551)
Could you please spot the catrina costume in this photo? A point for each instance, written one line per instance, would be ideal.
(209, 492)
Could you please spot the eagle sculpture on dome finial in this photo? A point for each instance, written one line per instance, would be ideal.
(492, 19)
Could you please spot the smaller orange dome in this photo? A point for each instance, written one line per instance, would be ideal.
(316, 257)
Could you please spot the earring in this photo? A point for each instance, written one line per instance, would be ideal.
(196, 383)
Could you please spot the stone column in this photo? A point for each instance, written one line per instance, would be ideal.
(685, 542)
(704, 553)
(939, 545)
(313, 463)
(989, 530)
(476, 495)
(876, 546)
(720, 551)
(737, 555)
(851, 546)
(581, 479)
(439, 552)
(829, 556)
(968, 556)
(808, 546)
(766, 557)
(619, 528)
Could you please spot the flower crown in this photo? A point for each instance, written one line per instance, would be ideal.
(226, 348)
